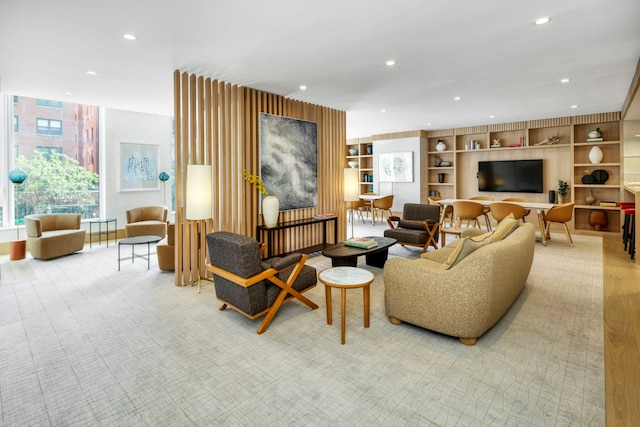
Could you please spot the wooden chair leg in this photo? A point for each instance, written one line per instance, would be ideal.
(566, 230)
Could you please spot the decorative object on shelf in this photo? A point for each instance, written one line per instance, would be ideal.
(270, 204)
(590, 199)
(371, 189)
(587, 178)
(600, 176)
(552, 196)
(595, 154)
(441, 146)
(353, 152)
(554, 139)
(365, 177)
(563, 186)
(369, 149)
(445, 164)
(17, 248)
(595, 135)
(441, 178)
(598, 220)
(437, 160)
(495, 143)
(270, 210)
(352, 164)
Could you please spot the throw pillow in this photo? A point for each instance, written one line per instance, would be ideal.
(506, 226)
(466, 247)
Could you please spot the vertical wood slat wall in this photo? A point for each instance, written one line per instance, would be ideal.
(217, 124)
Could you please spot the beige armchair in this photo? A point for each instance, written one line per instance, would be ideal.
(54, 235)
(147, 221)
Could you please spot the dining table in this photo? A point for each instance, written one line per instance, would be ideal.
(539, 207)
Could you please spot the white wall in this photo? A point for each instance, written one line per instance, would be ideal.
(404, 192)
(125, 126)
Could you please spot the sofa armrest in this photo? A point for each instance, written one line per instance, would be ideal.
(33, 227)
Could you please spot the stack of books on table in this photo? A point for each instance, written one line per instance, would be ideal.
(324, 215)
(361, 242)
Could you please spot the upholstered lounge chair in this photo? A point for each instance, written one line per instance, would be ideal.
(418, 226)
(147, 221)
(252, 286)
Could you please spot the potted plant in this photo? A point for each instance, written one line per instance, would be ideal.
(563, 186)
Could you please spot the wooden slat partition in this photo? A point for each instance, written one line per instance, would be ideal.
(217, 123)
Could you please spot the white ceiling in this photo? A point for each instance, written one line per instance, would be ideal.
(488, 52)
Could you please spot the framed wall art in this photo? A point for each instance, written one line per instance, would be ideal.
(289, 160)
(138, 167)
(395, 167)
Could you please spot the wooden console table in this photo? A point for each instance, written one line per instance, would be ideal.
(270, 232)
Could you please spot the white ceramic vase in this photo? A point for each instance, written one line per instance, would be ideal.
(270, 210)
(441, 146)
(595, 154)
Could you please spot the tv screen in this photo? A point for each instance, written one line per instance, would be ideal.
(517, 176)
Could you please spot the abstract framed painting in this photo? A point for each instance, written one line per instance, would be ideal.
(138, 167)
(289, 160)
(395, 167)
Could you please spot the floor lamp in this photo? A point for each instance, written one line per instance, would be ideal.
(164, 177)
(198, 202)
(17, 249)
(351, 190)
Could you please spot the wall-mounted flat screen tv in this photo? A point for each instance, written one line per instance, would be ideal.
(515, 176)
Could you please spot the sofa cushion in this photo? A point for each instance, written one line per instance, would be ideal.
(506, 226)
(441, 255)
(467, 246)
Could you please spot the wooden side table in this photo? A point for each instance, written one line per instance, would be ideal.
(346, 278)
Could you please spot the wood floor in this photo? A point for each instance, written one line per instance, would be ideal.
(621, 335)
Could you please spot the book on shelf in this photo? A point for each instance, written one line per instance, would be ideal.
(608, 204)
(361, 242)
(324, 215)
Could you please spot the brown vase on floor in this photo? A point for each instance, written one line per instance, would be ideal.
(598, 220)
(17, 250)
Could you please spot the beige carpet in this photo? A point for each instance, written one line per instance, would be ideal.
(85, 344)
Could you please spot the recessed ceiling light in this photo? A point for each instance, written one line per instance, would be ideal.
(92, 73)
(565, 80)
(383, 110)
(574, 106)
(390, 63)
(542, 21)
(457, 98)
(303, 87)
(129, 36)
(68, 93)
(492, 116)
(428, 124)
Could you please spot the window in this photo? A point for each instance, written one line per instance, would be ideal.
(48, 103)
(49, 127)
(15, 124)
(48, 150)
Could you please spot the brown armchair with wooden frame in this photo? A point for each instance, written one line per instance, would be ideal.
(253, 286)
(418, 226)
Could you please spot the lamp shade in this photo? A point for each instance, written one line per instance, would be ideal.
(199, 192)
(351, 185)
(163, 176)
(17, 176)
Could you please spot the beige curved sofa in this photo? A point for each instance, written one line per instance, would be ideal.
(53, 235)
(467, 299)
(147, 221)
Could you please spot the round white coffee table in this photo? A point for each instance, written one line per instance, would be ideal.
(346, 278)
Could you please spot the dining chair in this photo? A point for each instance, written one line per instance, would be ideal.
(469, 211)
(447, 211)
(519, 199)
(382, 205)
(500, 210)
(560, 214)
(485, 209)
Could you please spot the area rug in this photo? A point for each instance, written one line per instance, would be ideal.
(12, 272)
(542, 364)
